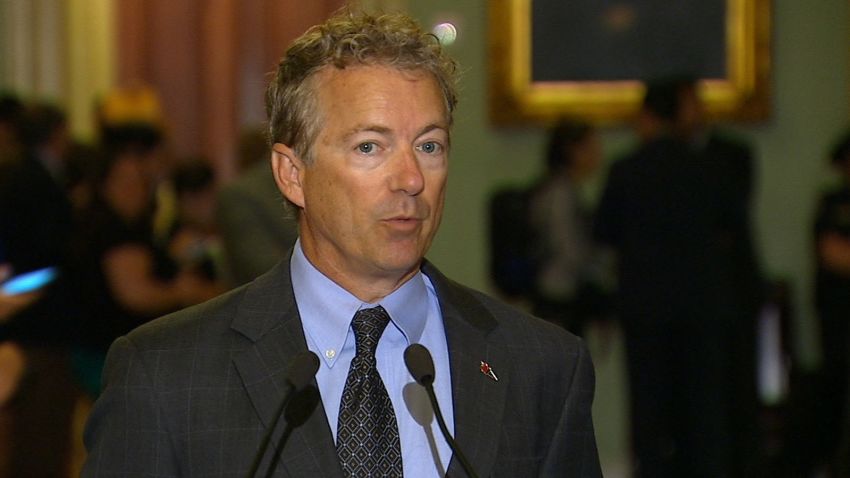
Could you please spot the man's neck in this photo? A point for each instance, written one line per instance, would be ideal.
(370, 289)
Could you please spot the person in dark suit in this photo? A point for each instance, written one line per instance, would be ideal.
(35, 223)
(359, 115)
(735, 159)
(256, 231)
(665, 211)
(832, 298)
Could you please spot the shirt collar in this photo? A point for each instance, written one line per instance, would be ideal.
(327, 309)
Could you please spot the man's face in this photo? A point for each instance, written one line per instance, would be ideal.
(691, 112)
(586, 156)
(372, 198)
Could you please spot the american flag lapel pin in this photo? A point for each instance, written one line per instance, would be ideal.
(486, 370)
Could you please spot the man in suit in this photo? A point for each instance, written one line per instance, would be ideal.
(255, 230)
(735, 160)
(667, 211)
(359, 116)
(35, 223)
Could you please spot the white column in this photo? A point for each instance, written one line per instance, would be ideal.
(91, 59)
(48, 46)
(17, 46)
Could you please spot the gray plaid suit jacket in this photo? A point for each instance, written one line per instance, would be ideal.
(191, 394)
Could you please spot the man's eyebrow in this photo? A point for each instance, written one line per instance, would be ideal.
(375, 128)
(366, 128)
(432, 127)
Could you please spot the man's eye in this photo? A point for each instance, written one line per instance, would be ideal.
(366, 148)
(430, 147)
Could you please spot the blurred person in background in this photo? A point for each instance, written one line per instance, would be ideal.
(11, 110)
(666, 211)
(80, 170)
(735, 159)
(832, 298)
(135, 106)
(256, 230)
(193, 240)
(37, 324)
(45, 136)
(126, 278)
(570, 277)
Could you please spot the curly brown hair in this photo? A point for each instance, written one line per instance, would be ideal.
(346, 39)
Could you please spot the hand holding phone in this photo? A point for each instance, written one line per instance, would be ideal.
(29, 281)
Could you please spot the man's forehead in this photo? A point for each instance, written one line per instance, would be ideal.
(332, 72)
(368, 86)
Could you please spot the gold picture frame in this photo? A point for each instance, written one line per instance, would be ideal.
(515, 98)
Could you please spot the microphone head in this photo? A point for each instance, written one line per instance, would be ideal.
(419, 364)
(302, 369)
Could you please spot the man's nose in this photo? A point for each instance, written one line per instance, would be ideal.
(407, 173)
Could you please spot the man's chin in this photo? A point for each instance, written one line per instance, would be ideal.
(401, 266)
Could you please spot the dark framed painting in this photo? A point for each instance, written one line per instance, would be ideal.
(589, 58)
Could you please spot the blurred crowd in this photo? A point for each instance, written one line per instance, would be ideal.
(666, 256)
(99, 238)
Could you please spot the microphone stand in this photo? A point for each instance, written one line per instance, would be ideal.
(287, 396)
(301, 370)
(464, 463)
(419, 363)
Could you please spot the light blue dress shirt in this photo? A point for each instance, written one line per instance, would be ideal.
(326, 313)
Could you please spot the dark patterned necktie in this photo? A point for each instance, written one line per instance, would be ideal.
(367, 440)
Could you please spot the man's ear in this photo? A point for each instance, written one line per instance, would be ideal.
(288, 170)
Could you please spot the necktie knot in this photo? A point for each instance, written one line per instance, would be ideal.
(368, 326)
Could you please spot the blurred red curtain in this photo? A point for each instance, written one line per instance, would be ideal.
(209, 61)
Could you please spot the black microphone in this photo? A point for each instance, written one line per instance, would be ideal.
(421, 367)
(301, 371)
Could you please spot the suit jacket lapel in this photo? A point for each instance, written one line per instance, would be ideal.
(268, 316)
(478, 400)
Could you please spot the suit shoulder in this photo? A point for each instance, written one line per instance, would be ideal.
(624, 165)
(731, 142)
(209, 319)
(519, 328)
